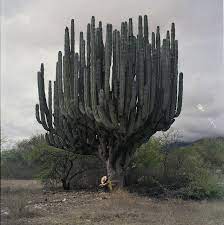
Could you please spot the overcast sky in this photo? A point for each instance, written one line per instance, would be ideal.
(32, 32)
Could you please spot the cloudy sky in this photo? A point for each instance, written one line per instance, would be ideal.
(32, 32)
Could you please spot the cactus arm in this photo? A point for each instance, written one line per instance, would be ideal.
(108, 54)
(146, 29)
(153, 77)
(44, 111)
(93, 67)
(50, 103)
(56, 105)
(180, 95)
(122, 71)
(66, 66)
(72, 55)
(165, 64)
(174, 82)
(38, 113)
(81, 68)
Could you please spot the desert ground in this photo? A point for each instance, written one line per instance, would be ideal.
(26, 202)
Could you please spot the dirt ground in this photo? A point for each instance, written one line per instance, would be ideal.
(25, 202)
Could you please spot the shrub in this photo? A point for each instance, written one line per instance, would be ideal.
(192, 171)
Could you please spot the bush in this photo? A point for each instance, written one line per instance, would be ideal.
(194, 171)
(33, 158)
(148, 155)
(14, 165)
(61, 166)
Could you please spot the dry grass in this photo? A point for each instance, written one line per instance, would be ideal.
(24, 184)
(15, 196)
(28, 204)
(17, 205)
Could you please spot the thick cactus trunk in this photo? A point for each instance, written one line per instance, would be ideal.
(116, 157)
(115, 173)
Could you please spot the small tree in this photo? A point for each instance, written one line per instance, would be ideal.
(59, 165)
(54, 164)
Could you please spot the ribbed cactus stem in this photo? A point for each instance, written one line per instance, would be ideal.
(81, 67)
(140, 33)
(114, 68)
(76, 74)
(153, 77)
(117, 64)
(86, 91)
(72, 36)
(172, 35)
(59, 78)
(38, 114)
(66, 66)
(174, 80)
(165, 61)
(50, 102)
(180, 95)
(168, 39)
(158, 44)
(108, 54)
(44, 110)
(72, 56)
(146, 29)
(122, 71)
(93, 67)
(56, 105)
(130, 27)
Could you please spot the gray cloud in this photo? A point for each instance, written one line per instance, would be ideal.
(32, 32)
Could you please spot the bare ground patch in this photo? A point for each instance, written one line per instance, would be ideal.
(24, 202)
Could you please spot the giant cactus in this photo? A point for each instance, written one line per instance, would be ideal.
(112, 97)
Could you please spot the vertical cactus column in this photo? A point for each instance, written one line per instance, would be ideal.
(109, 98)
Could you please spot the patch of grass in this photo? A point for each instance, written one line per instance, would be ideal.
(18, 184)
(15, 199)
(17, 205)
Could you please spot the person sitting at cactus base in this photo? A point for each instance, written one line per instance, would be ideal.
(106, 184)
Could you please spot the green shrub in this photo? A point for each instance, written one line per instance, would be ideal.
(148, 155)
(194, 171)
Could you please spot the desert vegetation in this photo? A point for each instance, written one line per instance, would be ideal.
(107, 102)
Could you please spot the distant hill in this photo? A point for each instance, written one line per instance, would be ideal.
(209, 139)
(203, 141)
(179, 144)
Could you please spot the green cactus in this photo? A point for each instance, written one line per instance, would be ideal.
(111, 97)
